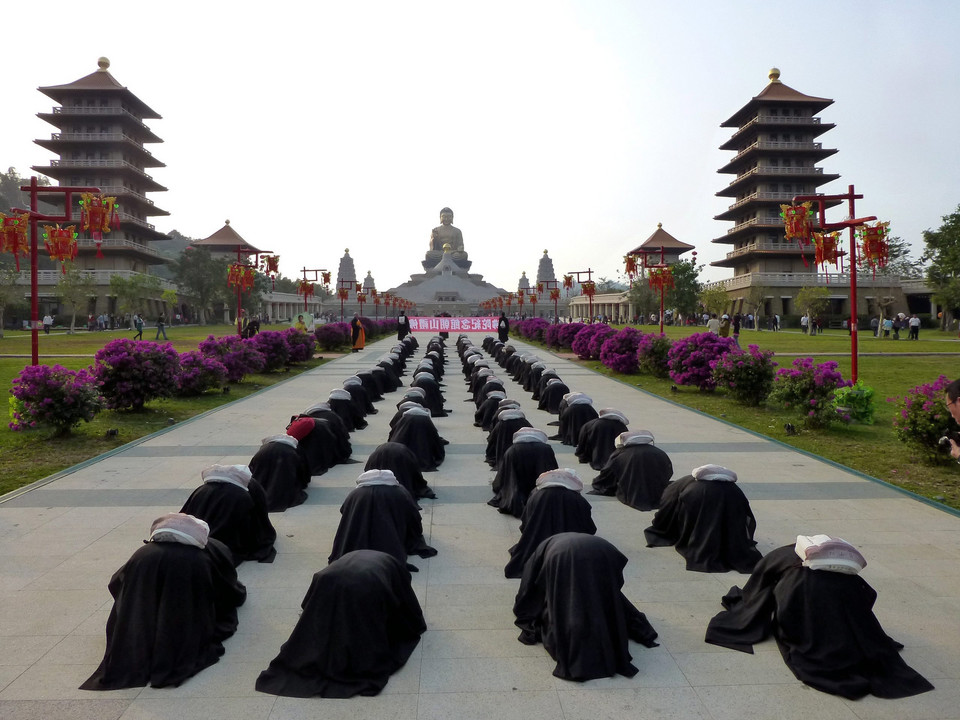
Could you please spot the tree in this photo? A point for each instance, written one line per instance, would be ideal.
(132, 291)
(11, 195)
(943, 273)
(76, 287)
(684, 295)
(812, 301)
(9, 291)
(202, 276)
(605, 285)
(754, 301)
(643, 298)
(714, 299)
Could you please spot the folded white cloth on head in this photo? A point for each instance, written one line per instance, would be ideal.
(354, 380)
(180, 528)
(339, 395)
(822, 552)
(636, 437)
(615, 414)
(317, 406)
(510, 414)
(577, 398)
(714, 472)
(238, 475)
(419, 392)
(285, 439)
(377, 477)
(498, 394)
(529, 435)
(417, 409)
(562, 477)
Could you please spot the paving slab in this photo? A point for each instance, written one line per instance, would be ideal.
(62, 539)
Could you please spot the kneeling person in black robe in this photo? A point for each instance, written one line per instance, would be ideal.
(636, 473)
(524, 461)
(555, 506)
(174, 603)
(400, 460)
(234, 505)
(571, 600)
(281, 471)
(811, 599)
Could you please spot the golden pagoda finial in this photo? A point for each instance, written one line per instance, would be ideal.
(103, 63)
(544, 251)
(226, 222)
(774, 75)
(659, 225)
(346, 251)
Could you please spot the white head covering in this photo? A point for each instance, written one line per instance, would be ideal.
(510, 414)
(577, 398)
(285, 439)
(484, 372)
(637, 437)
(474, 358)
(493, 379)
(564, 477)
(238, 475)
(422, 375)
(822, 552)
(377, 477)
(498, 394)
(508, 403)
(553, 381)
(418, 391)
(352, 380)
(404, 406)
(317, 406)
(339, 395)
(538, 365)
(417, 409)
(529, 435)
(180, 528)
(615, 414)
(714, 472)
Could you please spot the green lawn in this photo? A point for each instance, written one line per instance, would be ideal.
(32, 455)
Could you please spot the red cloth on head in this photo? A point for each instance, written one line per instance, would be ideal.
(300, 428)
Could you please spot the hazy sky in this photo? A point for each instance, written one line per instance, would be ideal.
(572, 126)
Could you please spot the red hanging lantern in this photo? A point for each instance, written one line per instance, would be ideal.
(568, 283)
(241, 275)
(588, 288)
(798, 222)
(827, 248)
(97, 214)
(660, 278)
(533, 301)
(630, 261)
(874, 248)
(520, 299)
(509, 300)
(326, 277)
(61, 244)
(539, 288)
(271, 268)
(500, 301)
(13, 235)
(359, 287)
(305, 288)
(554, 294)
(361, 298)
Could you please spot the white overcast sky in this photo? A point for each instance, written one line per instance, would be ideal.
(569, 125)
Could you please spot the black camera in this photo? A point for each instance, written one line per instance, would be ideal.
(943, 444)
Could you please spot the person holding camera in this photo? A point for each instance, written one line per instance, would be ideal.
(952, 396)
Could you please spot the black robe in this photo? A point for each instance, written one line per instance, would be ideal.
(237, 518)
(349, 412)
(571, 600)
(486, 414)
(420, 435)
(549, 510)
(282, 473)
(380, 517)
(551, 396)
(636, 474)
(434, 398)
(401, 461)
(598, 440)
(709, 522)
(824, 625)
(360, 623)
(572, 419)
(501, 437)
(370, 384)
(320, 448)
(173, 606)
(339, 429)
(517, 475)
(403, 327)
(361, 399)
(503, 329)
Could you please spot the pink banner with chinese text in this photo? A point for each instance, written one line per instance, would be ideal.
(453, 324)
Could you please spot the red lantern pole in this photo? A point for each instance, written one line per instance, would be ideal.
(318, 273)
(851, 224)
(589, 273)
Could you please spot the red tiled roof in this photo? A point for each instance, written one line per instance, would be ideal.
(662, 239)
(227, 239)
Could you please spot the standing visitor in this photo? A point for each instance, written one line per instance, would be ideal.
(47, 323)
(300, 325)
(503, 328)
(359, 337)
(161, 326)
(804, 321)
(138, 324)
(724, 326)
(713, 325)
(914, 323)
(403, 325)
(737, 320)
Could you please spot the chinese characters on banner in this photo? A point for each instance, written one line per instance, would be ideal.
(459, 324)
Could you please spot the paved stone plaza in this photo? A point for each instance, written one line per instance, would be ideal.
(60, 542)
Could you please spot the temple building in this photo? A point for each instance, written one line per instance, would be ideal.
(777, 145)
(101, 142)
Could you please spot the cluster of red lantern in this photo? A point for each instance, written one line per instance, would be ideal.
(305, 288)
(630, 262)
(325, 275)
(874, 248)
(554, 294)
(567, 283)
(13, 236)
(827, 249)
(343, 293)
(61, 244)
(270, 264)
(97, 214)
(798, 222)
(588, 288)
(241, 276)
(660, 278)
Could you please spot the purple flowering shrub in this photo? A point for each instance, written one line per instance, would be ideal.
(199, 373)
(689, 359)
(599, 337)
(551, 336)
(586, 344)
(54, 396)
(239, 357)
(300, 345)
(333, 336)
(133, 372)
(808, 388)
(619, 351)
(652, 352)
(748, 376)
(566, 334)
(370, 328)
(922, 418)
(273, 346)
(533, 328)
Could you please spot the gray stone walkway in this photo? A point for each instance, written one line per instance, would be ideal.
(61, 541)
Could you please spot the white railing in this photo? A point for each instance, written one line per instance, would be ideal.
(98, 164)
(776, 119)
(779, 196)
(118, 243)
(770, 170)
(768, 220)
(99, 137)
(127, 217)
(828, 280)
(120, 190)
(768, 246)
(101, 277)
(71, 110)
